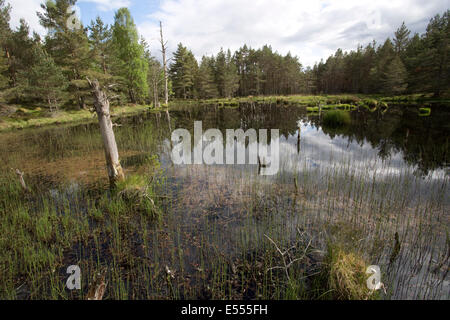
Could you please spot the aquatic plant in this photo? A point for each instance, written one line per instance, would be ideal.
(335, 118)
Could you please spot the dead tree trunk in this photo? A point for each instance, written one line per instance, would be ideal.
(101, 104)
(21, 180)
(155, 86)
(163, 50)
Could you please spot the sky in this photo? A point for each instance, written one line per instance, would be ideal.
(311, 29)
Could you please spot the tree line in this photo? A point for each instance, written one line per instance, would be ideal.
(404, 64)
(52, 72)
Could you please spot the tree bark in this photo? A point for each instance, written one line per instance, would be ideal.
(101, 104)
(155, 88)
(163, 50)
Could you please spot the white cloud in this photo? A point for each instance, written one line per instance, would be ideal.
(26, 9)
(108, 5)
(309, 29)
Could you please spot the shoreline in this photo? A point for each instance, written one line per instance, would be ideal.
(23, 118)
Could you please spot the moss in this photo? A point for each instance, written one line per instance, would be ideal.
(312, 109)
(341, 106)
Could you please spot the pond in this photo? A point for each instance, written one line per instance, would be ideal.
(378, 185)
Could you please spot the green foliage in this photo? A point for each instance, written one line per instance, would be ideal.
(130, 64)
(416, 64)
(401, 39)
(183, 73)
(69, 47)
(206, 86)
(155, 76)
(5, 33)
(393, 79)
(46, 82)
(433, 60)
(121, 61)
(100, 41)
(225, 74)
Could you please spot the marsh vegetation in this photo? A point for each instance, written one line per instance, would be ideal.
(370, 191)
(363, 176)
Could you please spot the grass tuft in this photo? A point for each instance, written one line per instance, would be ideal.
(336, 118)
(343, 275)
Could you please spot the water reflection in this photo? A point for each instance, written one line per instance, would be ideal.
(319, 184)
(381, 144)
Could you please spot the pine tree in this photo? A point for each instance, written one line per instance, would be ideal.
(46, 82)
(205, 86)
(393, 79)
(401, 39)
(21, 48)
(434, 61)
(219, 72)
(384, 56)
(100, 40)
(231, 78)
(68, 46)
(5, 33)
(131, 64)
(183, 72)
(412, 63)
(226, 75)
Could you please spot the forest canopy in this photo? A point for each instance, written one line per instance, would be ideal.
(51, 72)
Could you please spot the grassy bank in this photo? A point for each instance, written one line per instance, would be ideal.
(20, 118)
(338, 99)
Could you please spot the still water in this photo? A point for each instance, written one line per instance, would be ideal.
(381, 174)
